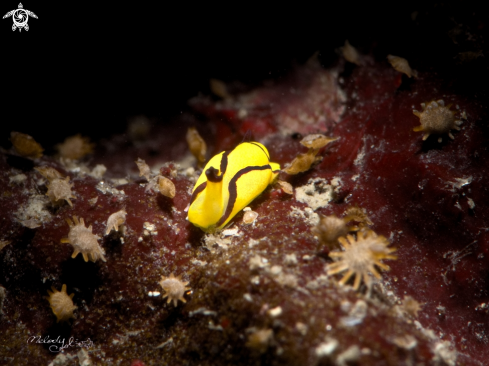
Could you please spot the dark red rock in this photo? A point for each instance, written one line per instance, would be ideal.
(428, 198)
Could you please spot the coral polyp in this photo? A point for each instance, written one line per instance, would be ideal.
(436, 118)
(358, 214)
(60, 189)
(174, 287)
(75, 147)
(330, 228)
(360, 257)
(115, 221)
(83, 241)
(61, 303)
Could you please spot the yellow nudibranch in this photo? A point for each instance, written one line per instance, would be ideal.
(229, 182)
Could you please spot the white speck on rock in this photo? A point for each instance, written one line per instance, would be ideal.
(316, 193)
(290, 259)
(234, 231)
(275, 312)
(356, 315)
(350, 355)
(443, 354)
(308, 215)
(326, 348)
(17, 179)
(257, 262)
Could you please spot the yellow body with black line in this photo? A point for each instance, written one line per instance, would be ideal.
(229, 182)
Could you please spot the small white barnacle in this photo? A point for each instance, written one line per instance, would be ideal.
(249, 216)
(83, 241)
(174, 288)
(436, 118)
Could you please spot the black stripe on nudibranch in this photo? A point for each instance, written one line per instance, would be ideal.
(264, 151)
(233, 190)
(196, 192)
(224, 161)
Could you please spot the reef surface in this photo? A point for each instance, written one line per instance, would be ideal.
(259, 293)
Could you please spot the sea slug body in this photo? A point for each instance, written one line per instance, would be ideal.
(229, 182)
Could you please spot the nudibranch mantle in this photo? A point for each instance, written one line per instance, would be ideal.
(228, 183)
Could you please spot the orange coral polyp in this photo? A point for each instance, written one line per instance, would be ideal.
(330, 228)
(75, 147)
(360, 257)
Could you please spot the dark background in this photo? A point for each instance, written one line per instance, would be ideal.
(86, 69)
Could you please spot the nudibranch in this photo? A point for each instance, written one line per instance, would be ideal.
(228, 183)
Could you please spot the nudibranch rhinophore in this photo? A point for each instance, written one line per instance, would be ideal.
(229, 182)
